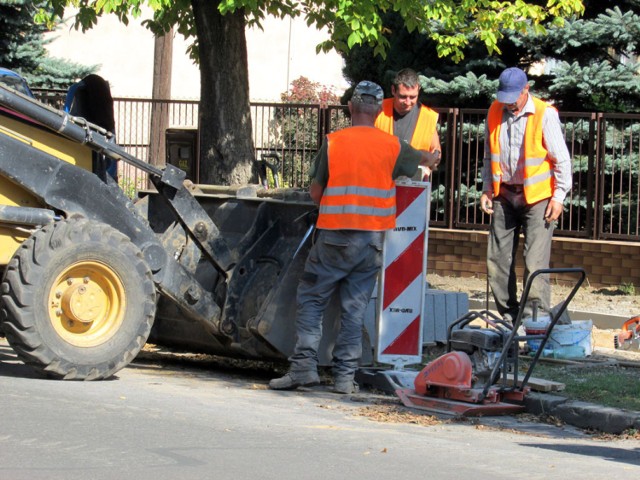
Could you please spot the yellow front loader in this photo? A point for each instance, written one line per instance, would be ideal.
(89, 275)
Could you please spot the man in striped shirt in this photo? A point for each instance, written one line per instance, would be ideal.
(526, 177)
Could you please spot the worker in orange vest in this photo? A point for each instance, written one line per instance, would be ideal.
(353, 184)
(403, 116)
(526, 177)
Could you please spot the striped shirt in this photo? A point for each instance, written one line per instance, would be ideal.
(512, 150)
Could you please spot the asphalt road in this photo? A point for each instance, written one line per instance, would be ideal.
(166, 420)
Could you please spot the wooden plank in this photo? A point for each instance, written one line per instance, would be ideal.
(538, 384)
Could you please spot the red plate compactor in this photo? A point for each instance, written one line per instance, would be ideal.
(629, 337)
(478, 374)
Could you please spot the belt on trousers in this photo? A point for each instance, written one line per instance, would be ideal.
(512, 188)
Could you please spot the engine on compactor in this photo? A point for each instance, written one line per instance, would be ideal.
(483, 346)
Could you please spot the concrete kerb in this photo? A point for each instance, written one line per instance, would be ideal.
(583, 414)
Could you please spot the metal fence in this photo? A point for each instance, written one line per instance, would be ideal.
(605, 149)
(604, 202)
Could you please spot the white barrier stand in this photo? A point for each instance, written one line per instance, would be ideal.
(401, 289)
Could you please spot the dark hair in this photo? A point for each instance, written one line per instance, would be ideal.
(363, 98)
(407, 77)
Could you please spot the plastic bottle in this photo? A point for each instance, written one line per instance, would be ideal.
(569, 351)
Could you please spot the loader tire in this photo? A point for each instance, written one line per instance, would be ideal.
(78, 301)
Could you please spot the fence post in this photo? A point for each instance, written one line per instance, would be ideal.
(324, 123)
(593, 165)
(453, 161)
(598, 168)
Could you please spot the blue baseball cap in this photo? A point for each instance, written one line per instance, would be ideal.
(367, 92)
(510, 85)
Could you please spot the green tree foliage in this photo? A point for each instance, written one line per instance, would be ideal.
(217, 29)
(583, 64)
(446, 82)
(593, 60)
(22, 48)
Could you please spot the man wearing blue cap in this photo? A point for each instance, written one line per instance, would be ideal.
(352, 182)
(526, 177)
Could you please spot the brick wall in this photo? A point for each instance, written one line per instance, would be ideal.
(460, 253)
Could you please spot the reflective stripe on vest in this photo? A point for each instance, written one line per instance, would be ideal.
(425, 126)
(360, 192)
(538, 175)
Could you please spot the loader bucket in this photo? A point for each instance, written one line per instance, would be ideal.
(272, 236)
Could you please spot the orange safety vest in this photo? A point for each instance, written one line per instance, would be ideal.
(538, 175)
(360, 193)
(425, 127)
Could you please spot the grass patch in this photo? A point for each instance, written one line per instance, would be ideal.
(628, 289)
(610, 385)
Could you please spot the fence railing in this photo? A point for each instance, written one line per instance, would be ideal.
(604, 202)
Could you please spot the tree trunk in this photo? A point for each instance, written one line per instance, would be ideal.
(162, 61)
(226, 144)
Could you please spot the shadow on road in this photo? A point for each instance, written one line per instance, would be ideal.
(11, 366)
(621, 455)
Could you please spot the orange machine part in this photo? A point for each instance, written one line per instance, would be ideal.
(453, 369)
(630, 331)
(632, 326)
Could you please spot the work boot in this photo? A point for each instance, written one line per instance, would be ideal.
(345, 385)
(293, 380)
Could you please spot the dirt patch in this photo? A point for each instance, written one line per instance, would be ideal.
(610, 300)
(397, 414)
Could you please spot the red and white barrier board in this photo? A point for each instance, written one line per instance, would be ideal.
(403, 280)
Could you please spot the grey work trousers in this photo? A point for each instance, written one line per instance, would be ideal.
(347, 260)
(511, 215)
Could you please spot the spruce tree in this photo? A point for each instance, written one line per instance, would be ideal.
(22, 48)
(592, 62)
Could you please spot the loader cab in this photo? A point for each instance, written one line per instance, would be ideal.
(13, 80)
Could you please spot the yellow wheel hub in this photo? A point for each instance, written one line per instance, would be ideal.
(87, 304)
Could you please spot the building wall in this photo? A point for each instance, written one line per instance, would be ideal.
(460, 253)
(283, 51)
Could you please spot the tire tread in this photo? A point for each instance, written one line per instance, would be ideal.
(17, 298)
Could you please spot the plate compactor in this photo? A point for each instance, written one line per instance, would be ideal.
(629, 337)
(478, 374)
